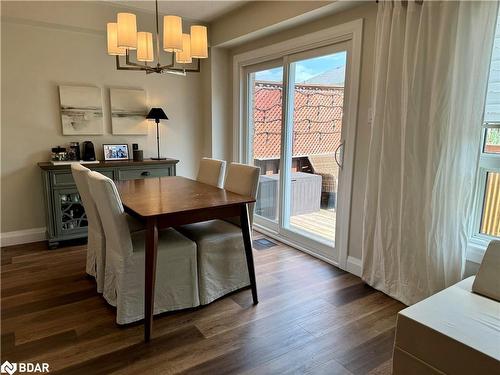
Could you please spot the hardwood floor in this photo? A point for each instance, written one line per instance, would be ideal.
(312, 318)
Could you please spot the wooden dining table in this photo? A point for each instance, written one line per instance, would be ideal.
(167, 202)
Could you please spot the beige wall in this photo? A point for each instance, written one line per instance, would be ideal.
(217, 101)
(221, 104)
(367, 12)
(259, 18)
(48, 44)
(216, 105)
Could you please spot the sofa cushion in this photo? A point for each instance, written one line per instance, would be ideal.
(487, 282)
(454, 331)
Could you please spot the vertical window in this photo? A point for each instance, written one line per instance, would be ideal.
(487, 223)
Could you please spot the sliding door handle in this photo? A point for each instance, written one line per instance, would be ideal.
(336, 155)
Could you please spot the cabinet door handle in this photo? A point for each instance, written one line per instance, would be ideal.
(145, 173)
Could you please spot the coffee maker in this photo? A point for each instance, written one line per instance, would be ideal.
(74, 151)
(88, 153)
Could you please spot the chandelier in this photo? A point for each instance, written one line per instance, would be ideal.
(123, 38)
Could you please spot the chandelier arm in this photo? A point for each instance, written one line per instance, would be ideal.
(142, 66)
(165, 67)
(194, 70)
(168, 71)
(119, 67)
(168, 66)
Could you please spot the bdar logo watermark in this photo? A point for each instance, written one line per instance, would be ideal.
(22, 367)
(9, 368)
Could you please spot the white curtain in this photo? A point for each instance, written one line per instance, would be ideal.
(430, 75)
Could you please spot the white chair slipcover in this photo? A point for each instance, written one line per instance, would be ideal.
(243, 179)
(176, 284)
(211, 172)
(96, 242)
(222, 266)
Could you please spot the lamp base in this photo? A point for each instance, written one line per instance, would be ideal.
(158, 158)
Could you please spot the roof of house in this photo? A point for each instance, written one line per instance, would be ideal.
(334, 76)
(317, 119)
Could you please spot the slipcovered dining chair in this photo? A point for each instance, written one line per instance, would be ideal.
(211, 172)
(96, 243)
(222, 265)
(176, 285)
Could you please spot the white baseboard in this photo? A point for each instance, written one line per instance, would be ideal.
(22, 236)
(354, 266)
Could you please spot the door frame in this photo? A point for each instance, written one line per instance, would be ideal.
(272, 226)
(347, 32)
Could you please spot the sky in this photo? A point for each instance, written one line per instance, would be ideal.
(305, 69)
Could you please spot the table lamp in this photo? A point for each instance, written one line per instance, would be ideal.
(157, 114)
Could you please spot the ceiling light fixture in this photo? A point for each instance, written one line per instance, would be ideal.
(124, 38)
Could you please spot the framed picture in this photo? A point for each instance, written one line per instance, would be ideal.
(115, 152)
(128, 111)
(81, 110)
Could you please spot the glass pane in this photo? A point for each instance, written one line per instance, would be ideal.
(317, 127)
(490, 222)
(492, 141)
(72, 212)
(492, 110)
(265, 111)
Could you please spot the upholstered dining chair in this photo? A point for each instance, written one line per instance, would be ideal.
(176, 276)
(211, 172)
(96, 242)
(222, 266)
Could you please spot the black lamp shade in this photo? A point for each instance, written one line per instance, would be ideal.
(157, 114)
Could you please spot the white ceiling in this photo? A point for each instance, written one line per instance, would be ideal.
(195, 10)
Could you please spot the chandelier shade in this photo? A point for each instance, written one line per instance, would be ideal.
(199, 45)
(172, 33)
(113, 49)
(127, 31)
(184, 56)
(145, 47)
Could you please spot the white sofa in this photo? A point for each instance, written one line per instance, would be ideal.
(454, 331)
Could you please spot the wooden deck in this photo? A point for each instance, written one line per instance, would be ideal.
(320, 223)
(312, 318)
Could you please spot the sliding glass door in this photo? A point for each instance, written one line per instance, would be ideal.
(294, 113)
(315, 108)
(265, 122)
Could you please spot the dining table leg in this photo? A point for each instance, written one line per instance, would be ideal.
(150, 275)
(247, 240)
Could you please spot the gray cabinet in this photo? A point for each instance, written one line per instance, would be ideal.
(65, 215)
